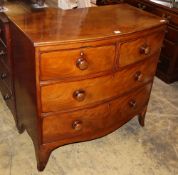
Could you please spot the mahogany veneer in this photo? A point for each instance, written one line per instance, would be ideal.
(80, 77)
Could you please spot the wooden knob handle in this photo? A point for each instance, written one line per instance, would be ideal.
(2, 53)
(79, 95)
(132, 103)
(139, 76)
(145, 49)
(166, 17)
(139, 5)
(143, 7)
(77, 125)
(3, 76)
(7, 97)
(81, 62)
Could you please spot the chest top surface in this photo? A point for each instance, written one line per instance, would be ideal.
(52, 25)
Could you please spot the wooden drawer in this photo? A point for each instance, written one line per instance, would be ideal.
(169, 49)
(5, 75)
(131, 2)
(89, 123)
(4, 27)
(170, 17)
(172, 34)
(78, 62)
(59, 96)
(141, 5)
(163, 64)
(139, 49)
(3, 54)
(146, 7)
(2, 33)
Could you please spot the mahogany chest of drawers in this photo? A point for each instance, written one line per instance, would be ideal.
(78, 76)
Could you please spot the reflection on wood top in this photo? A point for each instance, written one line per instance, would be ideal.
(52, 25)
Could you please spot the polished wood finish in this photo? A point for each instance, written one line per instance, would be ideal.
(56, 97)
(87, 122)
(141, 48)
(168, 63)
(78, 62)
(80, 22)
(73, 80)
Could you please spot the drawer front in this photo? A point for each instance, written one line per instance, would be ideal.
(139, 49)
(5, 75)
(63, 96)
(172, 34)
(77, 62)
(169, 49)
(3, 53)
(163, 64)
(90, 123)
(131, 2)
(170, 17)
(2, 33)
(145, 7)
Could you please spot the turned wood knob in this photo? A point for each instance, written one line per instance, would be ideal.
(81, 62)
(7, 97)
(79, 95)
(77, 125)
(132, 103)
(145, 49)
(167, 18)
(144, 7)
(2, 53)
(139, 76)
(3, 76)
(141, 6)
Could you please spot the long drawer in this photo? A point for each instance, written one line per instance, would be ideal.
(77, 62)
(88, 123)
(61, 96)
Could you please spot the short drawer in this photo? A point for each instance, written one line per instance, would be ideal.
(62, 96)
(78, 62)
(4, 27)
(97, 121)
(2, 34)
(3, 53)
(169, 49)
(5, 75)
(145, 7)
(170, 17)
(172, 34)
(131, 2)
(139, 49)
(163, 64)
